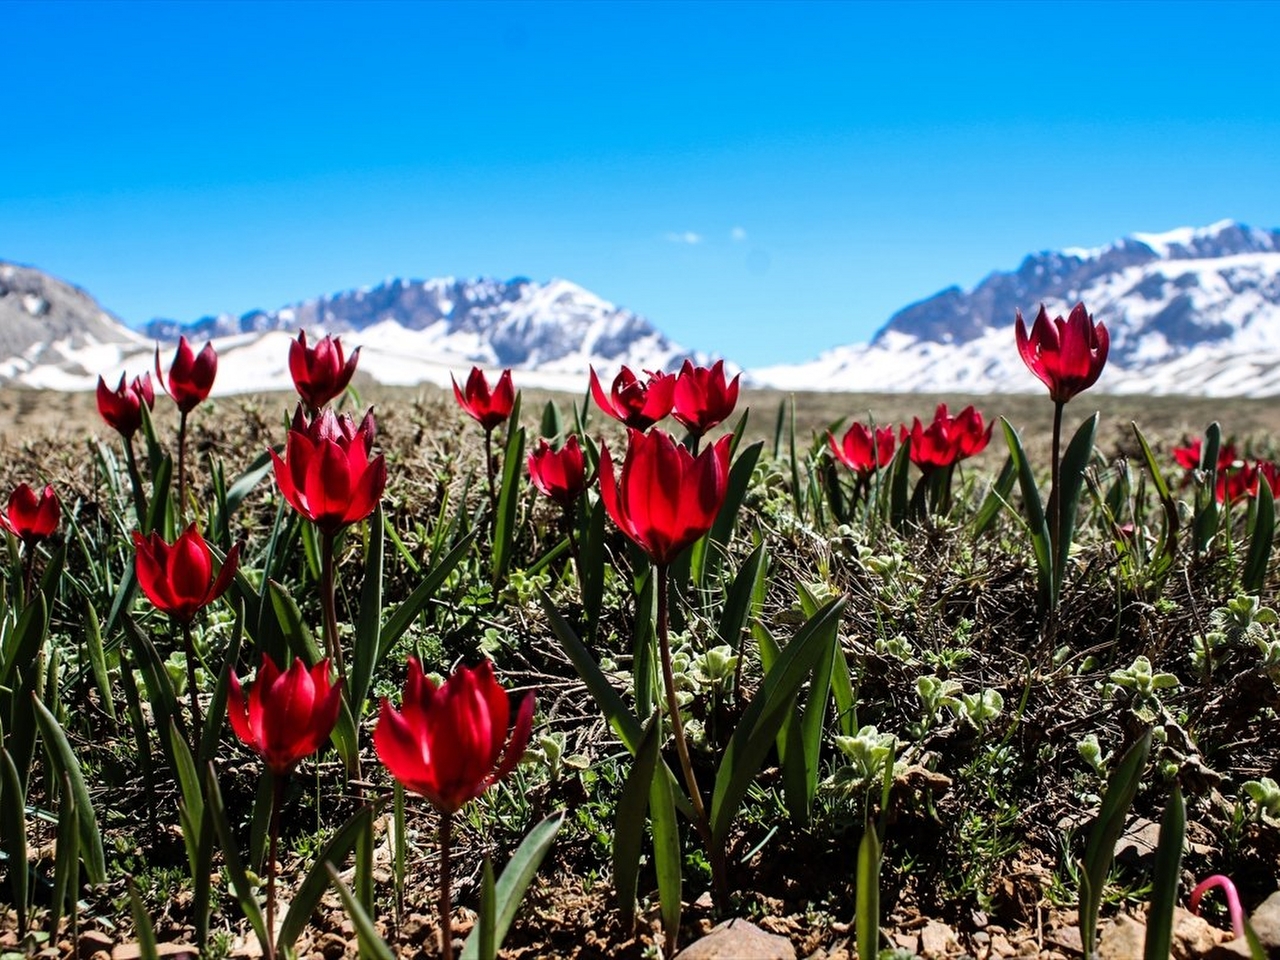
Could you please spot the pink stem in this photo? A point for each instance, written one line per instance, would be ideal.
(1228, 891)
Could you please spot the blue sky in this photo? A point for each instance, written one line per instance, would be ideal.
(763, 181)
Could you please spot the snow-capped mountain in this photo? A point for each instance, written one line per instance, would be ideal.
(410, 332)
(1191, 311)
(53, 334)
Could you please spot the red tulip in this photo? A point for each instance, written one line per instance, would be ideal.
(1188, 457)
(190, 375)
(320, 373)
(664, 499)
(31, 518)
(1236, 482)
(285, 717)
(947, 440)
(450, 743)
(859, 452)
(1067, 355)
(179, 579)
(701, 398)
(121, 408)
(326, 474)
(638, 404)
(489, 409)
(560, 474)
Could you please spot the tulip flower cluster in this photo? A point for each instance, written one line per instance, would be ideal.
(947, 439)
(699, 398)
(328, 474)
(1237, 478)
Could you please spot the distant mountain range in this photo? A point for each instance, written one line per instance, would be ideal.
(1191, 311)
(1194, 311)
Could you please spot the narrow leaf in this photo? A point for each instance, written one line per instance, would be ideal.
(65, 764)
(1164, 884)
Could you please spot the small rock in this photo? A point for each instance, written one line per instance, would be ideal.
(739, 940)
(1266, 922)
(332, 946)
(1001, 947)
(1137, 845)
(1122, 939)
(907, 941)
(94, 941)
(938, 940)
(177, 951)
(1193, 936)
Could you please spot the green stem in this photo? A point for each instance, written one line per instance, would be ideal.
(445, 903)
(1055, 513)
(278, 781)
(135, 480)
(182, 468)
(719, 882)
(493, 488)
(197, 725)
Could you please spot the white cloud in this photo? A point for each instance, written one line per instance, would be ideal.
(738, 234)
(688, 236)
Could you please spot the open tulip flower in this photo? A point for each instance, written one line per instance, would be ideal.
(637, 403)
(121, 408)
(450, 743)
(947, 440)
(702, 399)
(285, 717)
(489, 408)
(190, 375)
(31, 518)
(326, 473)
(179, 579)
(1067, 355)
(321, 372)
(664, 498)
(860, 451)
(559, 474)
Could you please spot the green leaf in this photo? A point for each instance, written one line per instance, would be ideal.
(212, 733)
(763, 718)
(996, 498)
(1205, 522)
(1164, 884)
(1121, 790)
(13, 835)
(64, 764)
(23, 644)
(1037, 525)
(1071, 479)
(484, 923)
(402, 616)
(66, 867)
(631, 815)
(666, 854)
(371, 945)
(143, 929)
(867, 917)
(368, 646)
(240, 489)
(504, 533)
(188, 783)
(515, 879)
(591, 569)
(738, 601)
(231, 858)
(740, 474)
(98, 658)
(1169, 541)
(308, 894)
(624, 722)
(1254, 575)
